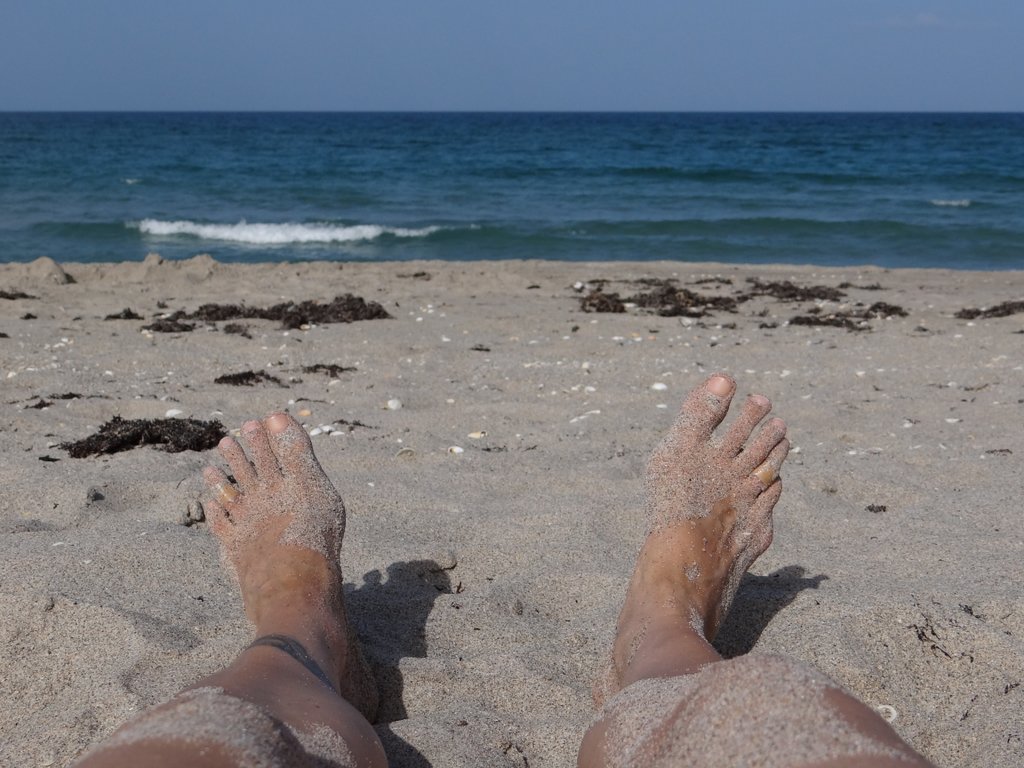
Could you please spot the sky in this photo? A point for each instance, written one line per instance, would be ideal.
(746, 55)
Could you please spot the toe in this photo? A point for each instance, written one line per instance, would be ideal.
(263, 457)
(290, 443)
(706, 406)
(218, 519)
(760, 516)
(219, 487)
(767, 472)
(754, 409)
(758, 450)
(241, 467)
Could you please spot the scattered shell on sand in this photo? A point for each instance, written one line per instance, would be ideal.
(456, 449)
(476, 435)
(583, 416)
(889, 714)
(394, 404)
(305, 412)
(659, 386)
(173, 412)
(405, 453)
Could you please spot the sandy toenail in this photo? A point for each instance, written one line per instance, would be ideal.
(277, 423)
(766, 474)
(226, 493)
(719, 386)
(250, 426)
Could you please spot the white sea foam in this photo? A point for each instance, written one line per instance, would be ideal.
(964, 203)
(277, 234)
(129, 182)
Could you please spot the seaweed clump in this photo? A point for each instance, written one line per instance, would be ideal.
(341, 309)
(670, 301)
(1005, 309)
(247, 379)
(12, 295)
(787, 291)
(168, 325)
(330, 369)
(125, 314)
(172, 435)
(854, 320)
(598, 301)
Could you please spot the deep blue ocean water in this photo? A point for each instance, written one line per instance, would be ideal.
(896, 190)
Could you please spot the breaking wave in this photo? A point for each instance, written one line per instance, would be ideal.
(964, 203)
(277, 234)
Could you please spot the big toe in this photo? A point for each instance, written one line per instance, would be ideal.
(705, 407)
(290, 444)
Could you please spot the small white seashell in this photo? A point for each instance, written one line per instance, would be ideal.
(659, 386)
(952, 421)
(456, 449)
(172, 412)
(476, 435)
(316, 431)
(394, 404)
(889, 714)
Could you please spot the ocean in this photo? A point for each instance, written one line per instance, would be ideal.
(894, 190)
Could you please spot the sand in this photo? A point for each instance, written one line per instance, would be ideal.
(485, 583)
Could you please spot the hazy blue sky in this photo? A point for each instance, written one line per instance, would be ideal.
(529, 54)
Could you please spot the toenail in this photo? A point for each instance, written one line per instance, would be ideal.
(250, 426)
(719, 386)
(760, 401)
(277, 423)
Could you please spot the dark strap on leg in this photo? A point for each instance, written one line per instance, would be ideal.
(294, 648)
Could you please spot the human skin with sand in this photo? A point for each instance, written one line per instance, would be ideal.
(302, 695)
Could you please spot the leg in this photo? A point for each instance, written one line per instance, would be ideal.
(302, 700)
(673, 699)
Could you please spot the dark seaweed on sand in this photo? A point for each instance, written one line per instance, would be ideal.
(237, 328)
(329, 368)
(845, 320)
(168, 325)
(597, 301)
(247, 379)
(853, 320)
(40, 405)
(669, 301)
(124, 314)
(173, 435)
(341, 309)
(1005, 309)
(12, 295)
(787, 291)
(4, 335)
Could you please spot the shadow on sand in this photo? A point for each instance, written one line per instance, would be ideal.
(390, 616)
(757, 602)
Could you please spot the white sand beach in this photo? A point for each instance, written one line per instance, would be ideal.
(485, 582)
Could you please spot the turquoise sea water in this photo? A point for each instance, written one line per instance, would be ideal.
(894, 190)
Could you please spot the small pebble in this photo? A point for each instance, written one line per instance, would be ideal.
(394, 404)
(456, 449)
(173, 412)
(659, 386)
(305, 412)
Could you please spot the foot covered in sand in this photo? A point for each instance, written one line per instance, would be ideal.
(280, 524)
(710, 501)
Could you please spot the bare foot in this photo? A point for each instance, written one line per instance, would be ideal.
(710, 502)
(280, 526)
